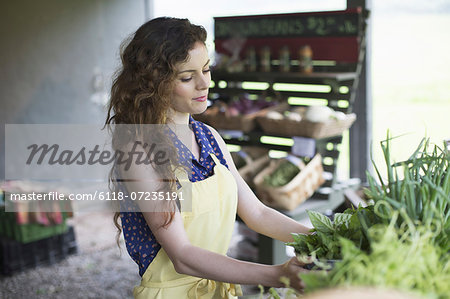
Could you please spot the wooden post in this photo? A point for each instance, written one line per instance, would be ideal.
(361, 131)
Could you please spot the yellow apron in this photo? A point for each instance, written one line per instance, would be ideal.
(209, 226)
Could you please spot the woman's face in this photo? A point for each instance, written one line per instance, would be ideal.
(192, 82)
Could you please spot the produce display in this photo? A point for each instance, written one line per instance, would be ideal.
(312, 121)
(292, 115)
(236, 113)
(400, 241)
(285, 187)
(319, 113)
(242, 106)
(315, 113)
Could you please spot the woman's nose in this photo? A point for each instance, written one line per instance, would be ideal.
(204, 81)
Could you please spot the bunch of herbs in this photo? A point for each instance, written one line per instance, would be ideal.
(324, 244)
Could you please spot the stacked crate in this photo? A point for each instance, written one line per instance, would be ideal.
(25, 246)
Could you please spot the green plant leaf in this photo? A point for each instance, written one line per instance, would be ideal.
(320, 222)
(341, 219)
(326, 240)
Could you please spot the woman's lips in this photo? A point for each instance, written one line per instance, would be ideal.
(201, 99)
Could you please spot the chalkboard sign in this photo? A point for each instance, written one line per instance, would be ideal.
(339, 23)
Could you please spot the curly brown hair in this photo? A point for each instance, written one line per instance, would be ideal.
(142, 86)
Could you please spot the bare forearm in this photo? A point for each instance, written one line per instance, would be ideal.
(206, 264)
(277, 225)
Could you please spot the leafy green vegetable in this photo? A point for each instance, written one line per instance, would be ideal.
(341, 219)
(282, 175)
(321, 222)
(401, 258)
(423, 190)
(324, 244)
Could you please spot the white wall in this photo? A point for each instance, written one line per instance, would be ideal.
(49, 52)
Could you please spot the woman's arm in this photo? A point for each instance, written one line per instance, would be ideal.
(253, 212)
(195, 261)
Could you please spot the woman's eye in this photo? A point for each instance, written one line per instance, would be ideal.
(206, 71)
(186, 79)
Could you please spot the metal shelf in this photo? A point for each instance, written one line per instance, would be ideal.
(331, 194)
(281, 77)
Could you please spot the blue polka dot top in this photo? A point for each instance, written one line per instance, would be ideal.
(140, 241)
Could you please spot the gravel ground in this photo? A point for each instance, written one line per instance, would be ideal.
(96, 275)
(98, 270)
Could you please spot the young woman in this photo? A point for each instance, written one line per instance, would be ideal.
(181, 254)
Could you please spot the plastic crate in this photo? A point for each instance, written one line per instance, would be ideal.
(16, 257)
(25, 233)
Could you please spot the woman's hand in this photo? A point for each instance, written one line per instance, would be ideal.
(291, 270)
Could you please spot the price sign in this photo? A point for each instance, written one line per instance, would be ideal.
(338, 23)
(304, 147)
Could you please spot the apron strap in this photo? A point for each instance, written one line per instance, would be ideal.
(182, 176)
(216, 160)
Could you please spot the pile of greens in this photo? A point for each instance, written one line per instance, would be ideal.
(420, 186)
(404, 259)
(282, 175)
(324, 243)
(401, 240)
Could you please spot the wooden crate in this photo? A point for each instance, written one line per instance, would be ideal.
(299, 189)
(305, 128)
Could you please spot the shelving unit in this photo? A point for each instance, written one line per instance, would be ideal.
(327, 147)
(334, 84)
(334, 81)
(330, 195)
